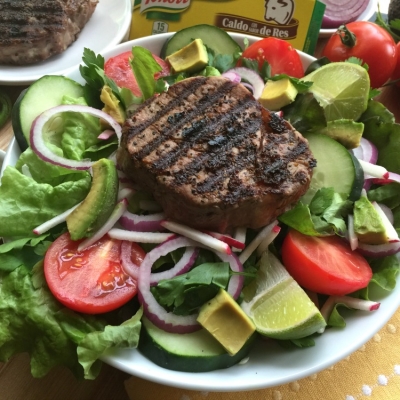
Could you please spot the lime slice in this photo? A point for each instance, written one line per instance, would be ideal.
(278, 306)
(341, 88)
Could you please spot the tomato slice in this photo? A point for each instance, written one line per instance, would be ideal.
(281, 56)
(119, 69)
(324, 265)
(91, 281)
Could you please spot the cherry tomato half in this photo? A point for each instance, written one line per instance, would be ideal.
(373, 45)
(91, 281)
(119, 69)
(279, 54)
(324, 265)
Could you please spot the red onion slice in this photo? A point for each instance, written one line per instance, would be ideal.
(339, 12)
(366, 151)
(379, 250)
(181, 267)
(39, 146)
(154, 311)
(352, 237)
(142, 223)
(251, 77)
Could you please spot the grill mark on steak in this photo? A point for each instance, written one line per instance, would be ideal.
(178, 119)
(213, 157)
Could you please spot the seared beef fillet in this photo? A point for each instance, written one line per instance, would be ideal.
(34, 30)
(213, 157)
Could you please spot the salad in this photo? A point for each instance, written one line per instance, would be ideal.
(54, 334)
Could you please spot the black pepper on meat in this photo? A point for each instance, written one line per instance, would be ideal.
(219, 160)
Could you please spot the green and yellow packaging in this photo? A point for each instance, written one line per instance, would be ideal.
(297, 21)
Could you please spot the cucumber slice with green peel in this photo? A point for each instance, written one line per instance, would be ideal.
(336, 168)
(45, 93)
(213, 37)
(189, 352)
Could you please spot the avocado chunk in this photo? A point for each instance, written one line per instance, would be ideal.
(112, 105)
(368, 225)
(98, 205)
(345, 131)
(191, 58)
(226, 322)
(277, 94)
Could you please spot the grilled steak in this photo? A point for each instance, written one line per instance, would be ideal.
(213, 157)
(34, 30)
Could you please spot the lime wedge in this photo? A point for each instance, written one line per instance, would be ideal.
(341, 88)
(278, 306)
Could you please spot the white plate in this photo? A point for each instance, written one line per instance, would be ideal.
(365, 16)
(269, 364)
(108, 26)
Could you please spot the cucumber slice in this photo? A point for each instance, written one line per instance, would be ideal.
(213, 37)
(189, 352)
(45, 93)
(336, 167)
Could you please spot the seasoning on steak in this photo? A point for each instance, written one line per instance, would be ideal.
(213, 157)
(34, 30)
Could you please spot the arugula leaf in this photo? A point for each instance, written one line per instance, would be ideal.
(387, 194)
(185, 293)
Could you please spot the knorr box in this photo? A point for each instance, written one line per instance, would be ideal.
(297, 21)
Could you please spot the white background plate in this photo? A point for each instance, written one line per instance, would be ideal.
(269, 364)
(107, 27)
(365, 16)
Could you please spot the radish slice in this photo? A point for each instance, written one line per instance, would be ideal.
(40, 148)
(51, 223)
(373, 170)
(157, 314)
(240, 235)
(339, 12)
(227, 239)
(106, 134)
(139, 237)
(251, 77)
(391, 177)
(120, 207)
(268, 239)
(257, 241)
(353, 239)
(142, 223)
(125, 193)
(198, 236)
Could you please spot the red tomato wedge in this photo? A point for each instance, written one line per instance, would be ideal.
(281, 56)
(91, 281)
(325, 265)
(119, 69)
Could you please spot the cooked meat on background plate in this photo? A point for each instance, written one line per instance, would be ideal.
(34, 30)
(213, 157)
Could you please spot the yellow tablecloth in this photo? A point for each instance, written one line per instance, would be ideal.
(372, 372)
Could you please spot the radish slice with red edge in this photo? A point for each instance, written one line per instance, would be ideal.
(154, 311)
(263, 246)
(252, 77)
(373, 170)
(119, 208)
(139, 237)
(142, 223)
(198, 236)
(39, 146)
(348, 301)
(227, 239)
(390, 178)
(340, 12)
(246, 253)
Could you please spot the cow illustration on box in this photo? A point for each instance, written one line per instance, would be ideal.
(279, 11)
